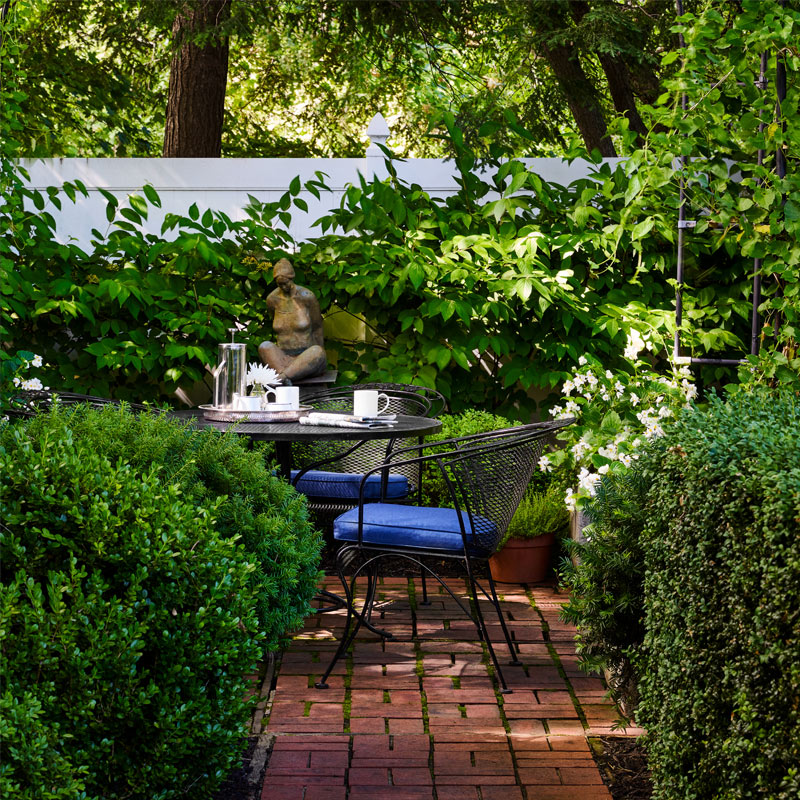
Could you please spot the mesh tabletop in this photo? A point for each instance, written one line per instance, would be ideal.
(406, 426)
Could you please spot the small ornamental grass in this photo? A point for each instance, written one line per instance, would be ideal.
(538, 514)
(128, 623)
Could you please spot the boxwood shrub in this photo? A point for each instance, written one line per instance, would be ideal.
(128, 622)
(605, 578)
(721, 676)
(270, 518)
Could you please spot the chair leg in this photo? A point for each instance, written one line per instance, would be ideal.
(480, 623)
(515, 662)
(348, 635)
(425, 601)
(362, 617)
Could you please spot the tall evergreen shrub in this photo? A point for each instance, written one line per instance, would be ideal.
(605, 577)
(721, 674)
(127, 623)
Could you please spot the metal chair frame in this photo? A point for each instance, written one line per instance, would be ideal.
(356, 457)
(36, 401)
(460, 465)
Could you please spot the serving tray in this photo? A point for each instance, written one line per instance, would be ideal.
(215, 414)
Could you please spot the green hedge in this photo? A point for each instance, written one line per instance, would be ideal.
(721, 674)
(261, 510)
(483, 298)
(128, 622)
(604, 574)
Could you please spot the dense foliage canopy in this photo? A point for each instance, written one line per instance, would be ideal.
(304, 79)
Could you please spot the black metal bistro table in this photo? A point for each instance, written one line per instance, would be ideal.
(285, 433)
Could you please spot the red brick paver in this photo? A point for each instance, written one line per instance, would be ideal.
(419, 716)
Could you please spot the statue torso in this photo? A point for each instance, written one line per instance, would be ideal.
(291, 318)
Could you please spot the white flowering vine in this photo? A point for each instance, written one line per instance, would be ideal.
(16, 376)
(615, 413)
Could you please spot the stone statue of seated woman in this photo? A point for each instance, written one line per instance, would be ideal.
(298, 351)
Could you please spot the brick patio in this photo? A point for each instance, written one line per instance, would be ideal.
(419, 716)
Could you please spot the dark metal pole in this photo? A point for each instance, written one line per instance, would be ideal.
(780, 156)
(681, 218)
(755, 339)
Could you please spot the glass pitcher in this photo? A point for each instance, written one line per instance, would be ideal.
(230, 374)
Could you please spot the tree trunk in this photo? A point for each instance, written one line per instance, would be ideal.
(581, 97)
(619, 84)
(197, 79)
(618, 76)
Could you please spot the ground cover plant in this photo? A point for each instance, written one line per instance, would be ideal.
(128, 624)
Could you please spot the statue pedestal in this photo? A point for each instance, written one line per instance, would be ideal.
(309, 386)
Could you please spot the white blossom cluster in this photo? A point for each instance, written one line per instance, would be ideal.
(30, 384)
(635, 345)
(615, 414)
(262, 375)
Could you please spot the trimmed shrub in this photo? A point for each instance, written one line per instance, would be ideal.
(605, 577)
(721, 674)
(33, 765)
(270, 518)
(128, 622)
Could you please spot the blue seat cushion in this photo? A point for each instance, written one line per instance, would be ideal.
(412, 526)
(345, 485)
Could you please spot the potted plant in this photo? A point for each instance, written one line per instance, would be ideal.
(525, 552)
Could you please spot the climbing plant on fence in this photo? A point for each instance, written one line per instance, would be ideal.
(743, 209)
(491, 294)
(502, 287)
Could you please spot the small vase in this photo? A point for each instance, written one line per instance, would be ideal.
(259, 392)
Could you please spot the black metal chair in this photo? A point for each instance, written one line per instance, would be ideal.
(27, 403)
(330, 473)
(487, 475)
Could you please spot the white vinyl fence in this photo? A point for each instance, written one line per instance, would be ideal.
(223, 184)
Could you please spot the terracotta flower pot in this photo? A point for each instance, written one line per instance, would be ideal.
(523, 560)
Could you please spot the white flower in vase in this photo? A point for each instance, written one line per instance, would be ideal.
(261, 378)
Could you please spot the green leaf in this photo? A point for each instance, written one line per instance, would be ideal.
(194, 212)
(139, 204)
(152, 195)
(443, 357)
(641, 229)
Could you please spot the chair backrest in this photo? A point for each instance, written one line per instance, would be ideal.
(403, 399)
(489, 474)
(437, 405)
(32, 402)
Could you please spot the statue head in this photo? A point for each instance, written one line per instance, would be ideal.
(283, 272)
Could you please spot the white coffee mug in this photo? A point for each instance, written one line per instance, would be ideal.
(365, 403)
(243, 402)
(288, 396)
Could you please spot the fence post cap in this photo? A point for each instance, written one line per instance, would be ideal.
(378, 132)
